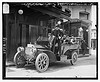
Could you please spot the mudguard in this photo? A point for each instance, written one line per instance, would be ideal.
(22, 53)
(50, 54)
(67, 49)
(69, 53)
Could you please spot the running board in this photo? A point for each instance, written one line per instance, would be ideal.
(63, 58)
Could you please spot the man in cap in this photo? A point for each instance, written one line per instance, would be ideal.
(57, 33)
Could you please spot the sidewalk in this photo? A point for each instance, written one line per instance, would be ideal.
(9, 63)
(93, 52)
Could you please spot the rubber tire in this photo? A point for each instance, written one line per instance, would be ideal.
(37, 61)
(18, 54)
(72, 60)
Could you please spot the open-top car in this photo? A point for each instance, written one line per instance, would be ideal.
(41, 55)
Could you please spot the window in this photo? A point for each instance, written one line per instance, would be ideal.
(84, 15)
(94, 35)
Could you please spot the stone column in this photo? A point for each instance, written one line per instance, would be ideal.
(89, 39)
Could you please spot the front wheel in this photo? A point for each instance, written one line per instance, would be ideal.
(42, 62)
(19, 60)
(74, 58)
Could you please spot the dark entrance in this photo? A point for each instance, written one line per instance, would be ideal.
(28, 33)
(23, 34)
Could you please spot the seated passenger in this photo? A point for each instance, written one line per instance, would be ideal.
(66, 39)
(72, 40)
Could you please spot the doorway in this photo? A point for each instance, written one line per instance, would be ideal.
(33, 33)
(28, 33)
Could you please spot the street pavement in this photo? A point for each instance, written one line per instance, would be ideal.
(84, 68)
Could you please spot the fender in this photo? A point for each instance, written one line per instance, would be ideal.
(50, 54)
(69, 53)
(23, 54)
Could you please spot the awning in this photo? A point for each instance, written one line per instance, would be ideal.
(75, 20)
(84, 23)
(52, 13)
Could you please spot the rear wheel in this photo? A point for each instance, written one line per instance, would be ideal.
(42, 62)
(74, 58)
(19, 60)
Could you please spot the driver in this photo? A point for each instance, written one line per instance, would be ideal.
(57, 33)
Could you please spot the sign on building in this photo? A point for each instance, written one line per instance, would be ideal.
(5, 8)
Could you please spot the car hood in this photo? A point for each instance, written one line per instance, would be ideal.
(39, 46)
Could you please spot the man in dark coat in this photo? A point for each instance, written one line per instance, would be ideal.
(58, 33)
(84, 47)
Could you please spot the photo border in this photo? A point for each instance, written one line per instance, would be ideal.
(46, 78)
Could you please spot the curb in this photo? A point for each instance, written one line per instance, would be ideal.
(10, 64)
(81, 56)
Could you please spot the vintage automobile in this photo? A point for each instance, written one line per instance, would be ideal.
(41, 55)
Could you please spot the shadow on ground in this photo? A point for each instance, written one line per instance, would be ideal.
(66, 65)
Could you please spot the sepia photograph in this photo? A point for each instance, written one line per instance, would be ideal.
(50, 40)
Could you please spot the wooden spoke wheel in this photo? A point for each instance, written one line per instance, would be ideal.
(19, 60)
(42, 62)
(74, 58)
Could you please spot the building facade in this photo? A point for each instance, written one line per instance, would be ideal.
(88, 14)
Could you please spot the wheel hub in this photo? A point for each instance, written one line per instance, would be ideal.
(74, 58)
(42, 62)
